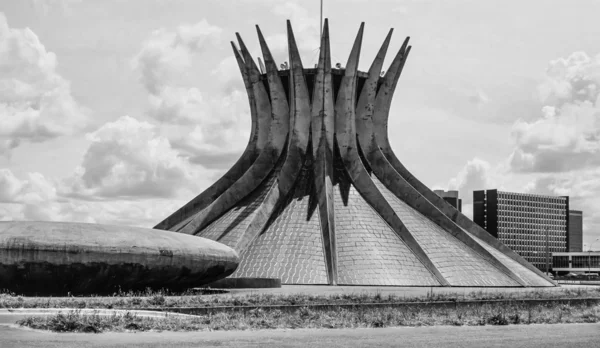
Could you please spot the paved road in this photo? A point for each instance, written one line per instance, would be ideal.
(515, 336)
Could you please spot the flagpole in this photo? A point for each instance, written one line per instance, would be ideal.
(321, 22)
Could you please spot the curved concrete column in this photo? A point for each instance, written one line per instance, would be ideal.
(274, 194)
(346, 140)
(260, 125)
(380, 129)
(265, 162)
(299, 118)
(322, 129)
(388, 175)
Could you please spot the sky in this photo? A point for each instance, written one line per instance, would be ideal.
(121, 111)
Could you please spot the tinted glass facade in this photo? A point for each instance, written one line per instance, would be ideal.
(575, 231)
(533, 226)
(578, 262)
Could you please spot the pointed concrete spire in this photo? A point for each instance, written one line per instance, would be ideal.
(253, 71)
(185, 214)
(322, 129)
(352, 64)
(279, 103)
(300, 118)
(345, 103)
(248, 85)
(322, 103)
(383, 100)
(366, 100)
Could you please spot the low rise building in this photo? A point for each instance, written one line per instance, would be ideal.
(576, 262)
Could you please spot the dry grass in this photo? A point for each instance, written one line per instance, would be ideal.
(152, 299)
(480, 314)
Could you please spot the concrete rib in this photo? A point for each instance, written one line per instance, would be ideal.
(184, 214)
(265, 162)
(346, 139)
(322, 128)
(274, 194)
(300, 118)
(390, 178)
(380, 129)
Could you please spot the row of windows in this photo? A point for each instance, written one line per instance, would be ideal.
(530, 197)
(512, 226)
(528, 246)
(550, 214)
(576, 262)
(531, 208)
(531, 234)
(583, 261)
(533, 221)
(529, 242)
(530, 203)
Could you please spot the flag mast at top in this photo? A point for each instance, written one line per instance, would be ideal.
(321, 22)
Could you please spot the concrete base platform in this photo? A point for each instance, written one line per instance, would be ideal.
(391, 290)
(245, 283)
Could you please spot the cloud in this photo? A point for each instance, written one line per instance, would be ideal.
(567, 135)
(223, 131)
(35, 101)
(34, 197)
(222, 120)
(583, 189)
(128, 159)
(177, 105)
(26, 198)
(130, 175)
(167, 53)
(475, 175)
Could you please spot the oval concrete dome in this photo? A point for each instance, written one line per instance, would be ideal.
(58, 258)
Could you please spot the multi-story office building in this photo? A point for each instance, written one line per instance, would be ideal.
(533, 226)
(451, 197)
(575, 231)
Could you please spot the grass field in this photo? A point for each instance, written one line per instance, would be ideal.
(359, 317)
(304, 316)
(159, 299)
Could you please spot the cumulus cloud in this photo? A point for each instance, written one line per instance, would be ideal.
(26, 198)
(567, 135)
(475, 175)
(165, 55)
(221, 135)
(130, 175)
(583, 189)
(127, 158)
(35, 101)
(35, 197)
(222, 121)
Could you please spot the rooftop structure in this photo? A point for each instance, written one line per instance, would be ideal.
(575, 231)
(319, 197)
(451, 197)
